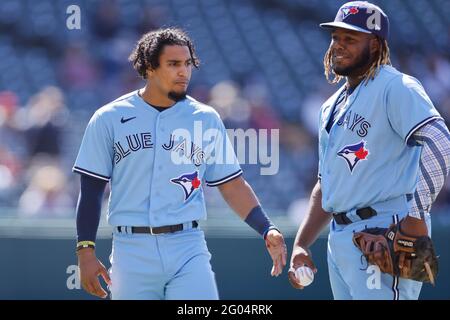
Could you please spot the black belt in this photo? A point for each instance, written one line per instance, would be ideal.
(363, 213)
(158, 230)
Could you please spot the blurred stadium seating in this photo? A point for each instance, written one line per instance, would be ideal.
(264, 54)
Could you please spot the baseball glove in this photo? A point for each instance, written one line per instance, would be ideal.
(398, 254)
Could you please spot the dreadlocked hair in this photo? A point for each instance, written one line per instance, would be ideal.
(382, 59)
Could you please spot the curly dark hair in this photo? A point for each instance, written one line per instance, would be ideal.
(148, 49)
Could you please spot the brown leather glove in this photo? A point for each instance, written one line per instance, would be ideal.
(397, 253)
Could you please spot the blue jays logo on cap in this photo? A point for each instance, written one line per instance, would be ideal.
(349, 10)
(361, 16)
(189, 182)
(353, 154)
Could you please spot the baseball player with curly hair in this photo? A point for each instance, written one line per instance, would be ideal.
(146, 145)
(384, 153)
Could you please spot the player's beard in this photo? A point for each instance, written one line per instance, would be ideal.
(176, 96)
(360, 64)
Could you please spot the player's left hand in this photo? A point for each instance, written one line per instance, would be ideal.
(415, 228)
(277, 249)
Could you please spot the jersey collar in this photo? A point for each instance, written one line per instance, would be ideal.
(169, 111)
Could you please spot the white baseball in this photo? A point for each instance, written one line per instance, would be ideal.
(304, 275)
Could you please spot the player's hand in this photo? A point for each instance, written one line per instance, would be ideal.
(415, 228)
(300, 257)
(277, 250)
(90, 269)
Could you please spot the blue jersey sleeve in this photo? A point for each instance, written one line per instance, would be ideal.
(408, 106)
(221, 163)
(96, 154)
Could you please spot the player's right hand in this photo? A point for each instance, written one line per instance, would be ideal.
(277, 249)
(300, 257)
(90, 269)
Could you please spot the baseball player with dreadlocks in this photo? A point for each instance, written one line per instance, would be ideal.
(384, 152)
(146, 144)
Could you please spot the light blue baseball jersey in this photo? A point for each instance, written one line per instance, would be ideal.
(365, 159)
(131, 144)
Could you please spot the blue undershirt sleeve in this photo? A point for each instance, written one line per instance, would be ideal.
(89, 207)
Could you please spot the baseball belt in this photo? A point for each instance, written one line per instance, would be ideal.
(159, 230)
(363, 213)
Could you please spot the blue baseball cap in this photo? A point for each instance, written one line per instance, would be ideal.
(361, 16)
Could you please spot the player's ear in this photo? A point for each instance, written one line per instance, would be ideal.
(150, 72)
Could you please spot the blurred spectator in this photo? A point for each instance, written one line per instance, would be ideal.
(437, 81)
(106, 19)
(152, 17)
(46, 116)
(309, 111)
(46, 194)
(11, 135)
(77, 69)
(12, 149)
(10, 174)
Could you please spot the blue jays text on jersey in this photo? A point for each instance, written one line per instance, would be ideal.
(355, 122)
(196, 154)
(130, 144)
(364, 157)
(133, 142)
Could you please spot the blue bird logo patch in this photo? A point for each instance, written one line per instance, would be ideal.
(189, 182)
(353, 154)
